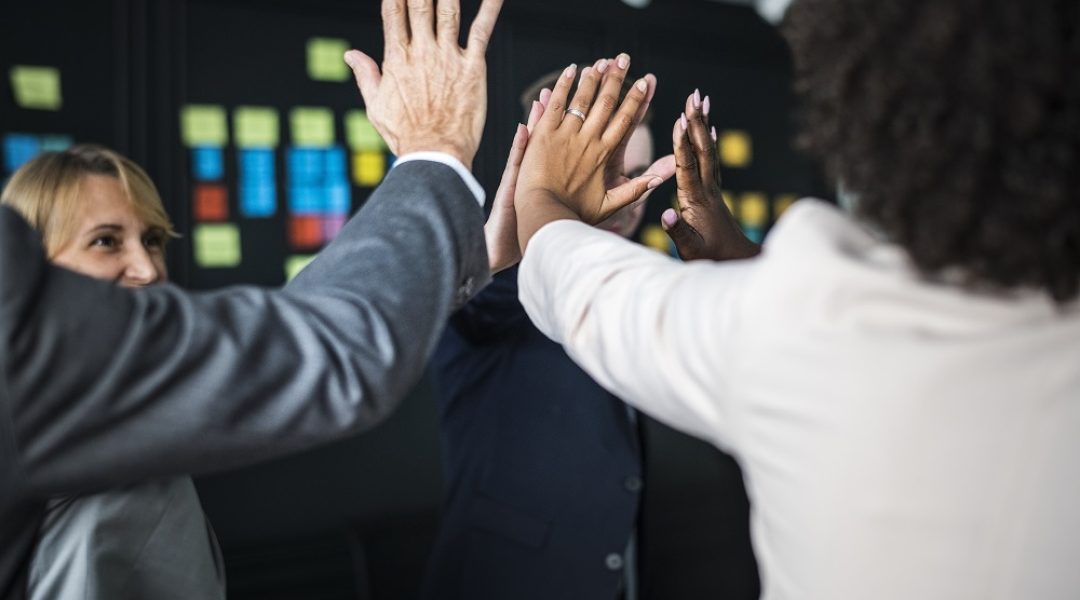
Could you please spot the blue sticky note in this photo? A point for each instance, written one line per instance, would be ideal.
(19, 148)
(256, 166)
(56, 143)
(335, 164)
(305, 166)
(338, 198)
(258, 200)
(207, 163)
(306, 200)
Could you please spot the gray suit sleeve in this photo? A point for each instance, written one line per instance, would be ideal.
(105, 386)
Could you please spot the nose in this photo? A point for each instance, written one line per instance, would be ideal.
(139, 269)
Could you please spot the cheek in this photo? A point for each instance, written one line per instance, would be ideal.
(162, 270)
(90, 263)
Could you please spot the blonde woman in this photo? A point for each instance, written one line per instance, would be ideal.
(99, 214)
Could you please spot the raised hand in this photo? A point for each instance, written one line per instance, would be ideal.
(431, 94)
(500, 231)
(702, 227)
(574, 142)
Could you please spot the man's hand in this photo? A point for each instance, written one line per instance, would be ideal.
(563, 172)
(500, 231)
(431, 94)
(702, 227)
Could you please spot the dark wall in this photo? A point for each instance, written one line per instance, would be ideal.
(355, 519)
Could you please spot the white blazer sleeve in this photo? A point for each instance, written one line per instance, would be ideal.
(654, 331)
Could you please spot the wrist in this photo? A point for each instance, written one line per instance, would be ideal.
(457, 151)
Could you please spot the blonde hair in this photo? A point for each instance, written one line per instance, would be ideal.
(45, 191)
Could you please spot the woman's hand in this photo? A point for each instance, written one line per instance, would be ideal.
(563, 173)
(500, 231)
(702, 227)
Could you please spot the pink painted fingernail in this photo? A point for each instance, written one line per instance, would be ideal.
(623, 60)
(642, 85)
(669, 218)
(697, 99)
(569, 72)
(682, 120)
(705, 106)
(545, 95)
(714, 137)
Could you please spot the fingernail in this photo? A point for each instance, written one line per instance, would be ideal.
(349, 58)
(545, 95)
(569, 72)
(601, 65)
(655, 183)
(624, 60)
(682, 120)
(697, 99)
(585, 73)
(705, 106)
(642, 85)
(669, 218)
(714, 137)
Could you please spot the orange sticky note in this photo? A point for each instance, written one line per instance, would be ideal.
(210, 202)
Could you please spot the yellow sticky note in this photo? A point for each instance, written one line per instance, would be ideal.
(656, 238)
(296, 263)
(36, 87)
(753, 209)
(217, 245)
(255, 127)
(782, 203)
(727, 196)
(203, 125)
(325, 59)
(369, 168)
(360, 134)
(736, 148)
(312, 126)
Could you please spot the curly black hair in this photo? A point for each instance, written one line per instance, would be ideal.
(956, 123)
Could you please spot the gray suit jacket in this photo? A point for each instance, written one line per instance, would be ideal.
(101, 387)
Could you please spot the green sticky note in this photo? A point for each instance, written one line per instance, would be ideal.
(312, 126)
(255, 127)
(296, 263)
(326, 59)
(36, 87)
(217, 245)
(360, 133)
(203, 125)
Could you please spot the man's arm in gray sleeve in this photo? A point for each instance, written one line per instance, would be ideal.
(104, 385)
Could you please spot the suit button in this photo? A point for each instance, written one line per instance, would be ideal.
(613, 562)
(632, 483)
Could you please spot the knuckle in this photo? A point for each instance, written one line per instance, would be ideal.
(607, 102)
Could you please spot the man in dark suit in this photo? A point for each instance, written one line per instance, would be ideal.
(100, 387)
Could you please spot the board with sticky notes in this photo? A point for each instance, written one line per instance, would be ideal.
(280, 149)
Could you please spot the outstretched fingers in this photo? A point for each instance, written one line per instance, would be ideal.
(622, 125)
(701, 139)
(482, 26)
(556, 104)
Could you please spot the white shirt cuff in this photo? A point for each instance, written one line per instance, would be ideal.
(453, 163)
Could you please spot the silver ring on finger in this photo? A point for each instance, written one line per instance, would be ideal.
(577, 113)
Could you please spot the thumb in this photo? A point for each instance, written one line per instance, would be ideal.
(366, 72)
(687, 241)
(628, 193)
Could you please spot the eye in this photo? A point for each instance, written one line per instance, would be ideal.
(105, 241)
(155, 240)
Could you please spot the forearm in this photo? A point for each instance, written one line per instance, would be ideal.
(536, 208)
(108, 386)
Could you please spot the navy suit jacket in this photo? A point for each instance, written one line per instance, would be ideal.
(542, 465)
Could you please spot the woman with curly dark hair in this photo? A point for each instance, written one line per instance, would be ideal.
(901, 385)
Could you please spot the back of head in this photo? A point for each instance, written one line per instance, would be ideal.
(45, 191)
(956, 123)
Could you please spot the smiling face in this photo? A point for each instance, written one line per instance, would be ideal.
(97, 212)
(109, 239)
